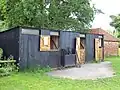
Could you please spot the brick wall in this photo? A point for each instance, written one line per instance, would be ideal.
(111, 48)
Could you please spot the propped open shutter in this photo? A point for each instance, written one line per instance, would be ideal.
(78, 49)
(44, 43)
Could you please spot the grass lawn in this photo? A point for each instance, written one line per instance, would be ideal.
(40, 81)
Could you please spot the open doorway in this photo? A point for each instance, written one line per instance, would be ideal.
(54, 42)
(80, 50)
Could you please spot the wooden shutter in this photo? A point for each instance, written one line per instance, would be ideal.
(43, 41)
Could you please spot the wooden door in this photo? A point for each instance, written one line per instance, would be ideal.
(97, 49)
(78, 50)
(100, 49)
(119, 51)
(100, 53)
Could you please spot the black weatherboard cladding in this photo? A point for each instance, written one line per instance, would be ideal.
(67, 42)
(90, 46)
(9, 42)
(31, 56)
(67, 39)
(26, 47)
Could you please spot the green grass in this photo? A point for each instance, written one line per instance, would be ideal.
(40, 81)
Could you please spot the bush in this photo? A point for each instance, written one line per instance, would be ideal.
(7, 66)
(4, 72)
(1, 53)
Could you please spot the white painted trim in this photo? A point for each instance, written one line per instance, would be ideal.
(30, 31)
(54, 33)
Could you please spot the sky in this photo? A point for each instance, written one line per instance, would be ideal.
(109, 7)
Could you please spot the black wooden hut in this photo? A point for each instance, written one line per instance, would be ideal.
(33, 46)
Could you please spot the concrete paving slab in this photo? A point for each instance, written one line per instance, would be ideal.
(86, 71)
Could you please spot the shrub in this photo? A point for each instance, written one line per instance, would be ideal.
(7, 66)
(4, 72)
(1, 53)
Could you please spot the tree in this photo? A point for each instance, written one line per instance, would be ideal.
(53, 14)
(116, 23)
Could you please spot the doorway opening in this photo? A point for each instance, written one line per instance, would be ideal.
(80, 50)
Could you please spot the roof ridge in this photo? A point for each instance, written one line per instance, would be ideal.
(107, 35)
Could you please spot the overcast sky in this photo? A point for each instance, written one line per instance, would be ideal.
(109, 7)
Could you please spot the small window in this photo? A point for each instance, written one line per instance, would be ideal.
(44, 43)
(82, 43)
(54, 42)
(49, 43)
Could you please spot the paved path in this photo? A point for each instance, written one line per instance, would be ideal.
(87, 71)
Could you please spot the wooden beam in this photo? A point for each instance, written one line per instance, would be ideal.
(7, 61)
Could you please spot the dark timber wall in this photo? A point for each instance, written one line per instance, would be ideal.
(26, 47)
(67, 45)
(67, 39)
(9, 42)
(31, 56)
(90, 46)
